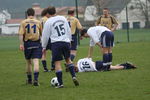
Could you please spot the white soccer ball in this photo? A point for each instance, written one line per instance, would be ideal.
(54, 81)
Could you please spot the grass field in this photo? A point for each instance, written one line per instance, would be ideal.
(113, 85)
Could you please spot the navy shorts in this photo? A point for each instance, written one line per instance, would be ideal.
(74, 42)
(48, 45)
(107, 39)
(99, 66)
(33, 49)
(60, 50)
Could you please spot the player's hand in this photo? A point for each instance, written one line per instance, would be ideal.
(43, 50)
(21, 47)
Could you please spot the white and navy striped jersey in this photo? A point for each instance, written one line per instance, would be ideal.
(57, 29)
(86, 65)
(95, 34)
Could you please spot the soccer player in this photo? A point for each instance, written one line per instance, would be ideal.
(74, 24)
(44, 18)
(104, 38)
(29, 35)
(87, 65)
(107, 20)
(57, 28)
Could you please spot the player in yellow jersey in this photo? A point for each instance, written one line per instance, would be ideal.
(29, 35)
(107, 20)
(44, 18)
(74, 24)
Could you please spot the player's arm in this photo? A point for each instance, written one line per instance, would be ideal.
(90, 52)
(21, 36)
(115, 24)
(79, 26)
(45, 35)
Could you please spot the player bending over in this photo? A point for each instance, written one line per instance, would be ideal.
(87, 65)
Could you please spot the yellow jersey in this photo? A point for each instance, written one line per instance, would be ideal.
(107, 21)
(43, 20)
(74, 23)
(31, 29)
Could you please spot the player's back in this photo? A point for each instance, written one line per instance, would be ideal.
(59, 29)
(31, 28)
(86, 65)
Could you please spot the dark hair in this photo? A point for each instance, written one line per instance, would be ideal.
(30, 12)
(105, 9)
(70, 11)
(44, 12)
(83, 32)
(51, 10)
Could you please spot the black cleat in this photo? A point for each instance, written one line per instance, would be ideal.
(75, 81)
(36, 83)
(29, 82)
(130, 65)
(46, 70)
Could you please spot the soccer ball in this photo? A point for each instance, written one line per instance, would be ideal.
(54, 81)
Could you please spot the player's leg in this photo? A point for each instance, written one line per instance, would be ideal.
(57, 57)
(44, 63)
(116, 67)
(105, 59)
(29, 71)
(70, 65)
(36, 71)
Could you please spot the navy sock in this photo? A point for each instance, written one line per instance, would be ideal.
(52, 65)
(110, 58)
(44, 63)
(105, 61)
(36, 75)
(29, 76)
(71, 69)
(72, 57)
(59, 77)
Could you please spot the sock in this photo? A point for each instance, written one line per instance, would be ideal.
(59, 77)
(29, 76)
(52, 65)
(71, 69)
(72, 57)
(36, 75)
(110, 60)
(44, 64)
(105, 61)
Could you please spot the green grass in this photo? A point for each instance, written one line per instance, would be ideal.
(113, 85)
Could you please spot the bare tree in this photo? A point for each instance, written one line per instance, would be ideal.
(143, 7)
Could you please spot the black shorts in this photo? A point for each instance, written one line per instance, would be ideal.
(60, 50)
(74, 42)
(107, 39)
(48, 47)
(33, 49)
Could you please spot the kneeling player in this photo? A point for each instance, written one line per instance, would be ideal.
(87, 65)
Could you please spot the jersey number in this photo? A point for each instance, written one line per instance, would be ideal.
(85, 65)
(60, 29)
(29, 28)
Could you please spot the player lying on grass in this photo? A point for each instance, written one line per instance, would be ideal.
(87, 65)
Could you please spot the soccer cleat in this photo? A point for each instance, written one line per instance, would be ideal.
(29, 82)
(130, 65)
(60, 86)
(46, 70)
(52, 69)
(75, 81)
(36, 83)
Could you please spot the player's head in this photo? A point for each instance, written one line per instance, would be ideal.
(84, 33)
(71, 12)
(30, 12)
(105, 11)
(51, 10)
(44, 12)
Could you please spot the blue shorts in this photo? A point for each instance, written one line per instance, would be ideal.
(74, 42)
(33, 49)
(48, 45)
(107, 39)
(60, 50)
